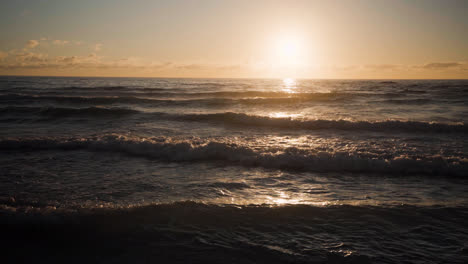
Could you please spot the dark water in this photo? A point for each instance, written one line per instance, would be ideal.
(117, 170)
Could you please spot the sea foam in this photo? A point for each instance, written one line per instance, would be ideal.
(289, 159)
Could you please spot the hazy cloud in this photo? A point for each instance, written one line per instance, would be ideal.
(3, 55)
(23, 59)
(442, 65)
(32, 43)
(343, 67)
(89, 60)
(366, 67)
(189, 66)
(30, 57)
(382, 67)
(60, 42)
(98, 46)
(400, 67)
(30, 60)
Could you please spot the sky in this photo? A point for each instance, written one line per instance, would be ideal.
(373, 39)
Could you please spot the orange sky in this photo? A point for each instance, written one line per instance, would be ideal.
(247, 39)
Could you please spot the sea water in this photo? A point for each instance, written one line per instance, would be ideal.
(234, 170)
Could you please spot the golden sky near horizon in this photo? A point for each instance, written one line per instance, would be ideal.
(235, 39)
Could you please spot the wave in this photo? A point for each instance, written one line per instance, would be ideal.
(288, 123)
(175, 93)
(26, 99)
(62, 112)
(417, 101)
(292, 158)
(204, 233)
(51, 94)
(390, 125)
(110, 88)
(240, 119)
(101, 100)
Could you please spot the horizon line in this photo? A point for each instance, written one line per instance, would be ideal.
(240, 78)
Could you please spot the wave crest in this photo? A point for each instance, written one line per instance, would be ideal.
(289, 123)
(291, 158)
(207, 99)
(63, 112)
(241, 119)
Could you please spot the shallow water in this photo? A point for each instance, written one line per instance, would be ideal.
(171, 170)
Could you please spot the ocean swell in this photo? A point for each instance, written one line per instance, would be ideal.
(246, 234)
(290, 158)
(64, 112)
(206, 99)
(239, 119)
(289, 123)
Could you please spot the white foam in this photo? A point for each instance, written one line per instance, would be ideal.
(291, 158)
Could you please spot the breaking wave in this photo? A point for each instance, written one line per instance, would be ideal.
(289, 123)
(289, 159)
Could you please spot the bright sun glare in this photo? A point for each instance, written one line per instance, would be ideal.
(288, 51)
(288, 48)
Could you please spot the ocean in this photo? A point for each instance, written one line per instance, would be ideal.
(148, 170)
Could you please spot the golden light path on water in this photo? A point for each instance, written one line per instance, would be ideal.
(278, 188)
(289, 87)
(279, 196)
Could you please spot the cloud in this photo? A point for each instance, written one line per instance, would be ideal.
(443, 65)
(98, 46)
(90, 60)
(453, 66)
(60, 42)
(31, 60)
(30, 57)
(203, 67)
(190, 66)
(342, 67)
(382, 67)
(32, 43)
(3, 55)
(366, 67)
(26, 60)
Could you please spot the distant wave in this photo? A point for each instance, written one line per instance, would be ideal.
(109, 88)
(240, 119)
(174, 94)
(62, 112)
(291, 158)
(151, 101)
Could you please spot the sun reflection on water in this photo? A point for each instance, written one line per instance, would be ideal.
(289, 85)
(283, 115)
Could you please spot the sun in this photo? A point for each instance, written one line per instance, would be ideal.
(287, 51)
(288, 54)
(288, 48)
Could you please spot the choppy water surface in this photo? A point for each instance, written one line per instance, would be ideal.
(313, 171)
